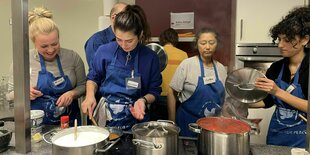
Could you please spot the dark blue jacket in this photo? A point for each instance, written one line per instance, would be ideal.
(148, 66)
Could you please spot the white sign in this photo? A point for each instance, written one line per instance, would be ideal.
(184, 20)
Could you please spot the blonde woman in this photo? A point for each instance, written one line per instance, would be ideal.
(57, 75)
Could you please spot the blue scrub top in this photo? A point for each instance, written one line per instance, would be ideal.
(99, 38)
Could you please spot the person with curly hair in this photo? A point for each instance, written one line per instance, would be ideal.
(287, 80)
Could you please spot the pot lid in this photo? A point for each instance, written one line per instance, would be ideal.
(223, 125)
(240, 85)
(155, 129)
(163, 58)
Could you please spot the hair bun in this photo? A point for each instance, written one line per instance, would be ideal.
(39, 12)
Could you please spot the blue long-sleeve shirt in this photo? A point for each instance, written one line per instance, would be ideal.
(148, 66)
(99, 38)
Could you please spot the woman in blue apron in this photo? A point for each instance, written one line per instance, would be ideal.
(119, 94)
(126, 71)
(287, 80)
(57, 75)
(52, 88)
(207, 97)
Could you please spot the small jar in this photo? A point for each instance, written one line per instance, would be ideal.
(64, 122)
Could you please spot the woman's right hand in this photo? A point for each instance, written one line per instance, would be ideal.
(88, 105)
(34, 93)
(266, 85)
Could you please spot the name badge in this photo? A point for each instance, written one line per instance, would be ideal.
(290, 88)
(208, 80)
(59, 81)
(133, 83)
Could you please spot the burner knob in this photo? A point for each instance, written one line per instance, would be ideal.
(255, 50)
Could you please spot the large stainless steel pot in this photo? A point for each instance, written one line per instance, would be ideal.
(222, 136)
(90, 140)
(156, 138)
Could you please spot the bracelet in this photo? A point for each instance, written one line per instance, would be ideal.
(144, 98)
(145, 103)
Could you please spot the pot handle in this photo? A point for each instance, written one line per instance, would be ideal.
(194, 127)
(166, 121)
(107, 146)
(146, 144)
(47, 137)
(255, 129)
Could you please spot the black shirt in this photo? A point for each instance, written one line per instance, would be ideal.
(274, 70)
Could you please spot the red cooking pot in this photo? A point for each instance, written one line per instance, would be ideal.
(222, 135)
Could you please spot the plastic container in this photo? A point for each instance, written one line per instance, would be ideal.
(64, 122)
(299, 151)
(36, 117)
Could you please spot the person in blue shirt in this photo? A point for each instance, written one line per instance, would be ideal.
(102, 37)
(287, 80)
(127, 73)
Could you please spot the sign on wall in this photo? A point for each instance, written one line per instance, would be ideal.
(183, 20)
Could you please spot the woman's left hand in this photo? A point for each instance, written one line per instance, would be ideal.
(266, 85)
(65, 99)
(137, 110)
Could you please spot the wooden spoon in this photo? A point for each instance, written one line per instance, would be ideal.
(93, 121)
(302, 117)
(75, 130)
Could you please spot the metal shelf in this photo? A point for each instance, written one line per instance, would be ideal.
(181, 39)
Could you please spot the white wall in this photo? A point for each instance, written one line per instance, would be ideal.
(5, 37)
(77, 21)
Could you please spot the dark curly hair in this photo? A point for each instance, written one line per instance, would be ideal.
(296, 23)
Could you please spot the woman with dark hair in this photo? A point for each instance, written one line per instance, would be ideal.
(198, 84)
(127, 72)
(287, 80)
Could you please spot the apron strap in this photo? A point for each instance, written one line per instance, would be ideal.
(201, 66)
(60, 66)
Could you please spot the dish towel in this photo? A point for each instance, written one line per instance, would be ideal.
(102, 113)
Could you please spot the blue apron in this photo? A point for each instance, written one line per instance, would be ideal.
(286, 127)
(51, 91)
(205, 101)
(118, 97)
